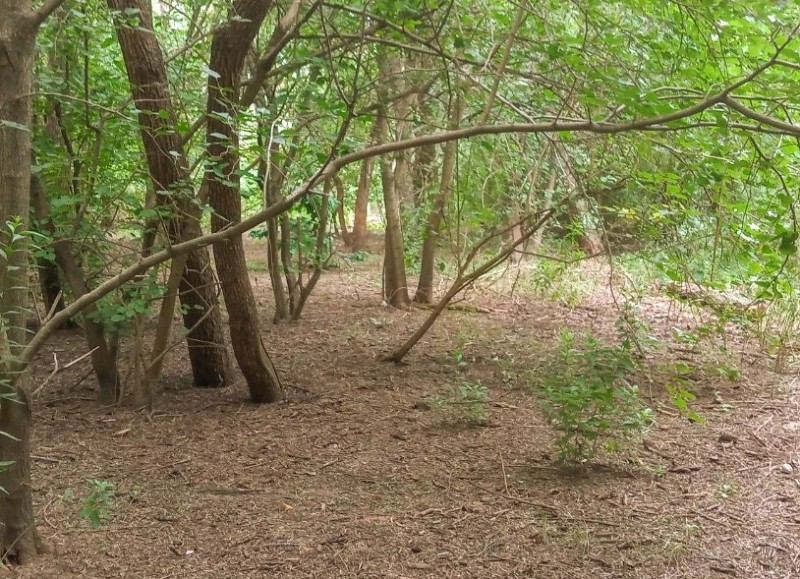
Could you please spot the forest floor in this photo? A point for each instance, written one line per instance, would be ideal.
(362, 474)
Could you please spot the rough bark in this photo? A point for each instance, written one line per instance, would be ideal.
(166, 161)
(19, 540)
(229, 48)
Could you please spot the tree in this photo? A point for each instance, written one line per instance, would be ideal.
(229, 48)
(19, 23)
(173, 190)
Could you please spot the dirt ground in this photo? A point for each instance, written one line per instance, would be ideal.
(359, 474)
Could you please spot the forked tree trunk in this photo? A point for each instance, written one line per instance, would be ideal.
(396, 180)
(424, 293)
(229, 47)
(19, 540)
(166, 161)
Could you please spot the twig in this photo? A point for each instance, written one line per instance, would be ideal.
(58, 369)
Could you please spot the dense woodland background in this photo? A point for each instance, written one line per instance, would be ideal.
(583, 214)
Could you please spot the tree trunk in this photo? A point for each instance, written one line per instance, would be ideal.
(579, 209)
(362, 203)
(271, 191)
(50, 286)
(395, 285)
(103, 357)
(346, 237)
(229, 47)
(166, 161)
(362, 196)
(424, 293)
(396, 180)
(19, 540)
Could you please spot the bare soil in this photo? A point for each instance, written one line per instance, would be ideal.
(361, 474)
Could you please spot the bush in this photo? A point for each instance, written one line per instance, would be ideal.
(589, 399)
(470, 397)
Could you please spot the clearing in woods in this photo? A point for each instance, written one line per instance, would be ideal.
(361, 474)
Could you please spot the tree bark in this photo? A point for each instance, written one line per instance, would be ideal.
(271, 185)
(169, 171)
(346, 237)
(103, 357)
(229, 47)
(19, 540)
(395, 284)
(396, 182)
(424, 293)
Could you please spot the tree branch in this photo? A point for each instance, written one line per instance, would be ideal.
(783, 126)
(46, 10)
(333, 165)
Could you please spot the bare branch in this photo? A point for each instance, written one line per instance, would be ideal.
(761, 118)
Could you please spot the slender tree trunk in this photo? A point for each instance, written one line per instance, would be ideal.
(395, 285)
(362, 204)
(362, 196)
(424, 293)
(545, 204)
(579, 207)
(271, 191)
(346, 237)
(229, 48)
(19, 540)
(147, 74)
(103, 357)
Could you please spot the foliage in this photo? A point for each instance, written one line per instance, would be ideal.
(468, 396)
(97, 504)
(589, 399)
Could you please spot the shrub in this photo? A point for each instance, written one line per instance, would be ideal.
(590, 400)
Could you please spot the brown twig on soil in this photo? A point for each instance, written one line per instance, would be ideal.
(58, 369)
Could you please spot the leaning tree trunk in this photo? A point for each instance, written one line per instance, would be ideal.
(169, 171)
(229, 48)
(19, 540)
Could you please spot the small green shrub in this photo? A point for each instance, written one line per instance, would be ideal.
(96, 506)
(470, 397)
(589, 399)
